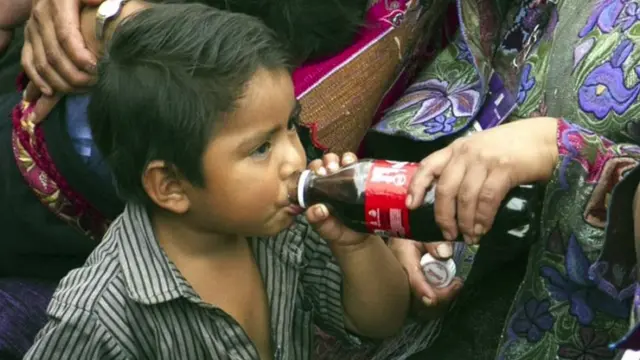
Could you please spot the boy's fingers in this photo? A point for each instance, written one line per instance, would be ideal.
(331, 162)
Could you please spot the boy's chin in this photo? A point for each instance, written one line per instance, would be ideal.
(283, 224)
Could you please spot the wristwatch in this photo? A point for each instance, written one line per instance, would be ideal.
(107, 11)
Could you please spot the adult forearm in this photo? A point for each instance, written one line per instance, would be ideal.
(88, 24)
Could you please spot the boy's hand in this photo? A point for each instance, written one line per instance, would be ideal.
(428, 302)
(327, 226)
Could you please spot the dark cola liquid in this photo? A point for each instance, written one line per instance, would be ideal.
(345, 193)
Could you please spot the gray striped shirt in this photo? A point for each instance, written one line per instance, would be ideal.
(130, 302)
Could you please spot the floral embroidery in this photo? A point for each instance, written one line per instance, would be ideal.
(604, 90)
(440, 124)
(604, 16)
(463, 50)
(527, 83)
(581, 50)
(533, 320)
(630, 16)
(578, 290)
(591, 345)
(435, 97)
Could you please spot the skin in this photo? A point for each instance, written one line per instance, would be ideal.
(76, 37)
(12, 15)
(204, 225)
(473, 175)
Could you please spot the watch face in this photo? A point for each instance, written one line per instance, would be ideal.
(109, 8)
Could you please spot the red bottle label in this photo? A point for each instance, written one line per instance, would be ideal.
(385, 197)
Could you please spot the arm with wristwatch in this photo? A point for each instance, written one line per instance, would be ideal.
(97, 24)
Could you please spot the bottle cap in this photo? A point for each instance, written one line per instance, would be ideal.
(439, 273)
(301, 181)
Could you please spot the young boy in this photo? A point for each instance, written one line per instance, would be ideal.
(195, 113)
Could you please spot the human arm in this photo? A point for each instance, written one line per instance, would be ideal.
(475, 173)
(12, 15)
(70, 40)
(73, 333)
(585, 164)
(374, 291)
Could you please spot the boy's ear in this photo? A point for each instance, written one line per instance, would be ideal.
(165, 187)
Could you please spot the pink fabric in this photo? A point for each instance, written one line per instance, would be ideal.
(378, 22)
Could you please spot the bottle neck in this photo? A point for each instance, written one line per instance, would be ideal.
(303, 181)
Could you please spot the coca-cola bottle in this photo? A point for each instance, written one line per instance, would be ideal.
(369, 196)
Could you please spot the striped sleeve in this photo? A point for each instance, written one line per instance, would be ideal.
(74, 333)
(322, 283)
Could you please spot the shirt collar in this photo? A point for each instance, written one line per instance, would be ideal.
(150, 276)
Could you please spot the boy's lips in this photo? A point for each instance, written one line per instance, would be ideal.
(294, 209)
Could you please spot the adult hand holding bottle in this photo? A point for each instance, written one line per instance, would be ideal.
(473, 176)
(475, 173)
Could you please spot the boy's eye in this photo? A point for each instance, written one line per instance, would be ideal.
(262, 151)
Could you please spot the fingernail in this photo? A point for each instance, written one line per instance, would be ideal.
(444, 250)
(320, 211)
(46, 91)
(321, 171)
(468, 239)
(333, 166)
(427, 301)
(409, 200)
(91, 68)
(478, 230)
(447, 236)
(348, 158)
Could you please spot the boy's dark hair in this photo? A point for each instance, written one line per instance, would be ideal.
(169, 74)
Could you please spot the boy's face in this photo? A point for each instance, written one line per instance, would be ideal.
(250, 162)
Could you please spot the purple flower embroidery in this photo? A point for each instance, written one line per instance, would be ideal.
(440, 124)
(435, 97)
(532, 320)
(604, 91)
(604, 15)
(527, 83)
(580, 291)
(463, 51)
(630, 16)
(590, 346)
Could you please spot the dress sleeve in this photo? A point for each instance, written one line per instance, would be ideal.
(606, 183)
(608, 180)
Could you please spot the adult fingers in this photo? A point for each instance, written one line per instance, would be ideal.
(446, 194)
(66, 15)
(27, 61)
(467, 201)
(493, 191)
(430, 167)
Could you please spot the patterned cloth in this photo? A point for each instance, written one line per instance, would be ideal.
(565, 58)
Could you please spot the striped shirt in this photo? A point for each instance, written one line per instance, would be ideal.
(130, 302)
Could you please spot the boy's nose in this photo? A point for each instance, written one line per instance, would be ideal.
(295, 160)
